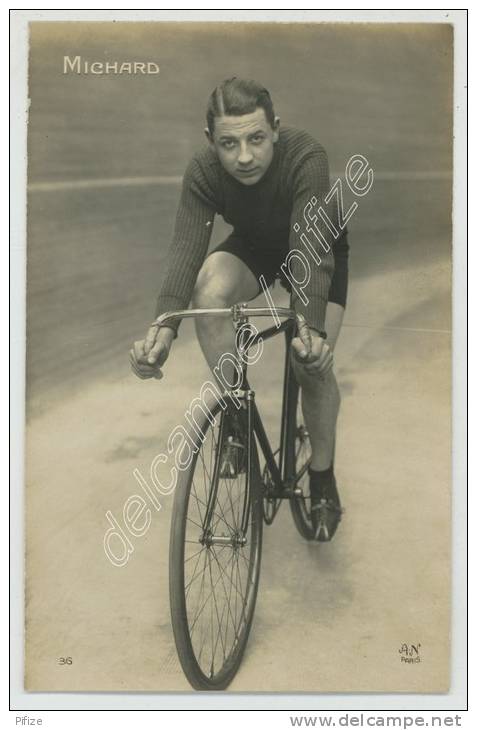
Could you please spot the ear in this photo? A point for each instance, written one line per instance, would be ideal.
(208, 134)
(276, 129)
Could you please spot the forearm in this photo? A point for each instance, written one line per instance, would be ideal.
(186, 256)
(312, 235)
(313, 268)
(192, 231)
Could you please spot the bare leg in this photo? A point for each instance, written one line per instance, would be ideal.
(321, 399)
(223, 280)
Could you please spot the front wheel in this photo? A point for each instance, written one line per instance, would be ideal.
(215, 551)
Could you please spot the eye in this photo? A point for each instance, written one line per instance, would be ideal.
(257, 138)
(228, 144)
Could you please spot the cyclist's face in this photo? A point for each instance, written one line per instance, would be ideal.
(244, 145)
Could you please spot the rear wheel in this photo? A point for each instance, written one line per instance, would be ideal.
(271, 503)
(299, 458)
(215, 551)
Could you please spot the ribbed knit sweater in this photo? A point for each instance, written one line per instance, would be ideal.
(264, 213)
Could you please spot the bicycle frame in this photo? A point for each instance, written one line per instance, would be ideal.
(283, 482)
(279, 472)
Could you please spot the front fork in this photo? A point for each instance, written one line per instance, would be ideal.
(246, 398)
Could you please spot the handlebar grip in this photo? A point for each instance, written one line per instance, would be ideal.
(304, 332)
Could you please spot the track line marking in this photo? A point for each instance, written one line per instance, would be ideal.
(398, 329)
(112, 182)
(117, 182)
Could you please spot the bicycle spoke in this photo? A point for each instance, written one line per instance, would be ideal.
(211, 670)
(228, 577)
(198, 502)
(218, 586)
(212, 600)
(194, 522)
(231, 528)
(240, 590)
(194, 577)
(207, 479)
(227, 603)
(219, 632)
(222, 516)
(202, 608)
(186, 560)
(200, 594)
(232, 509)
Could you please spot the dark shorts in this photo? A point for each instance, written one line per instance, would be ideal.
(267, 261)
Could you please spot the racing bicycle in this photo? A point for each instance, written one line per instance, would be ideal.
(223, 498)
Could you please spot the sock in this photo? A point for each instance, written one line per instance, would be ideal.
(323, 484)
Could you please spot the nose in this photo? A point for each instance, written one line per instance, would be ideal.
(245, 157)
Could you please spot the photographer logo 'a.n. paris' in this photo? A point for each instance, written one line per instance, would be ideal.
(78, 66)
(410, 653)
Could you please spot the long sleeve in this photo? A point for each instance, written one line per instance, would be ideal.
(192, 231)
(311, 184)
(284, 206)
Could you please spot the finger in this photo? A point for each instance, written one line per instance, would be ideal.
(317, 353)
(138, 348)
(144, 369)
(304, 332)
(150, 339)
(146, 374)
(139, 374)
(321, 353)
(157, 354)
(320, 366)
(299, 348)
(140, 369)
(326, 360)
(325, 369)
(319, 347)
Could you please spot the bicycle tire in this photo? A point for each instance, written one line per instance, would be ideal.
(298, 458)
(201, 664)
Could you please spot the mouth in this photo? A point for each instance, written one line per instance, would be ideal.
(248, 173)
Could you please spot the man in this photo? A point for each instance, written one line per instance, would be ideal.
(260, 178)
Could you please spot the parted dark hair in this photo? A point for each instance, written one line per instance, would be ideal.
(234, 97)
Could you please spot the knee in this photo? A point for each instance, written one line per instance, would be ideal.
(209, 291)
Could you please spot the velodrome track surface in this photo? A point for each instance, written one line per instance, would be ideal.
(329, 617)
